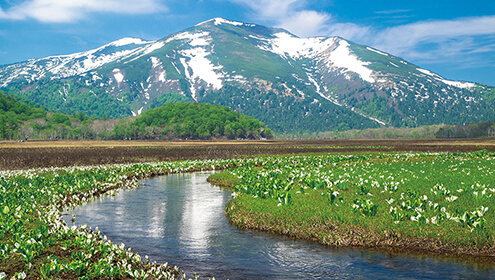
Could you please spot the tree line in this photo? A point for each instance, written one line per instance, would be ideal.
(192, 121)
(471, 130)
(171, 121)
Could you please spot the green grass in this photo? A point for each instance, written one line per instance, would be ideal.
(434, 202)
(36, 244)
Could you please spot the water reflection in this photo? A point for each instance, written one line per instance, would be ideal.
(201, 211)
(180, 219)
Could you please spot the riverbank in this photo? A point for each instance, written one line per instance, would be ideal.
(336, 198)
(433, 203)
(35, 243)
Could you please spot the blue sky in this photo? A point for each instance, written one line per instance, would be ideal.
(455, 39)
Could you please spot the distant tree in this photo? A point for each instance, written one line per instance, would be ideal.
(59, 118)
(192, 121)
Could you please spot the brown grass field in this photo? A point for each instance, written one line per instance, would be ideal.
(35, 154)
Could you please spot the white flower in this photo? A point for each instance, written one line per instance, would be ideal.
(22, 275)
(451, 198)
(434, 220)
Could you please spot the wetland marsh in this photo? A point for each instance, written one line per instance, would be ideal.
(372, 196)
(180, 217)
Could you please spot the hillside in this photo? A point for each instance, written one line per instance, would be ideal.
(192, 121)
(291, 84)
(20, 118)
(170, 121)
(13, 114)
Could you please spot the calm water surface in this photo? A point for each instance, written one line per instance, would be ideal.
(180, 219)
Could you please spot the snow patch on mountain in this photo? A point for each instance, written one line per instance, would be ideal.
(176, 69)
(63, 66)
(195, 61)
(457, 84)
(155, 62)
(144, 51)
(427, 72)
(152, 47)
(285, 44)
(157, 65)
(218, 21)
(343, 58)
(318, 90)
(193, 39)
(377, 51)
(119, 77)
(236, 78)
(188, 78)
(202, 68)
(127, 41)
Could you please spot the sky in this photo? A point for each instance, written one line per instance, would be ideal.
(455, 39)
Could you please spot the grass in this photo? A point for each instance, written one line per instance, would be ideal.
(35, 243)
(441, 203)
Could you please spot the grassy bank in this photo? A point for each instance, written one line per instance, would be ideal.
(436, 202)
(35, 243)
(440, 203)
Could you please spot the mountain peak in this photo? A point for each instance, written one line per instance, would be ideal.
(127, 41)
(219, 21)
(288, 82)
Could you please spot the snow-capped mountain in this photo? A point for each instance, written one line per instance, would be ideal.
(288, 82)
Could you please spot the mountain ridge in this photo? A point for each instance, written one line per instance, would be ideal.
(267, 73)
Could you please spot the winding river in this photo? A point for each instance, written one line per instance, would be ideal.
(180, 219)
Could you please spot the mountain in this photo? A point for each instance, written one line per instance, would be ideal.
(289, 83)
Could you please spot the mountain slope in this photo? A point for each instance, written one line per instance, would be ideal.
(289, 83)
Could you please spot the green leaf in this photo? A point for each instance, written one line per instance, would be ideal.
(6, 210)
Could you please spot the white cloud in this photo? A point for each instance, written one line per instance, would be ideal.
(346, 30)
(294, 17)
(62, 11)
(425, 41)
(455, 33)
(305, 23)
(271, 9)
(288, 14)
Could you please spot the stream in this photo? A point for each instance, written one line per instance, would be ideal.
(180, 219)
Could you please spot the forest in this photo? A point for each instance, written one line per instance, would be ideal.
(471, 130)
(192, 121)
(21, 118)
(19, 121)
